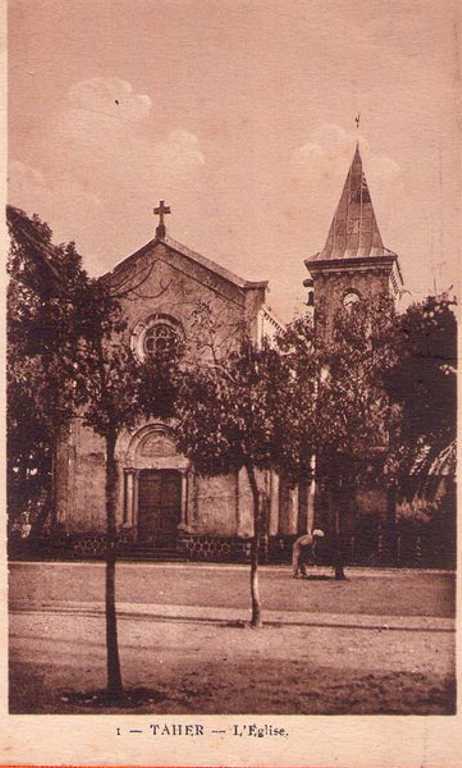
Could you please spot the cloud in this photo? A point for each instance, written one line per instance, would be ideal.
(320, 165)
(111, 97)
(102, 164)
(29, 185)
(180, 151)
(61, 202)
(99, 114)
(328, 154)
(22, 177)
(103, 135)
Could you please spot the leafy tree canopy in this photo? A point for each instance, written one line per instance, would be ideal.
(225, 410)
(335, 401)
(46, 314)
(423, 381)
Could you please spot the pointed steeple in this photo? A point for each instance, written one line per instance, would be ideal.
(354, 233)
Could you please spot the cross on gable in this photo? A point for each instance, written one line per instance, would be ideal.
(161, 211)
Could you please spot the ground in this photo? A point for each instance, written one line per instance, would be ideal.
(381, 642)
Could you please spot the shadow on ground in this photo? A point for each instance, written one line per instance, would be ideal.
(251, 688)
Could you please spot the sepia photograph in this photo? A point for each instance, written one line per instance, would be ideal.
(231, 392)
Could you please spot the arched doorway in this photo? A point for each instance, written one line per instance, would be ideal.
(155, 496)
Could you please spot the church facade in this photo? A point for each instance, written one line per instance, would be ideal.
(163, 505)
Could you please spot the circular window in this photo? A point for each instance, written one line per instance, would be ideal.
(159, 338)
(156, 335)
(350, 298)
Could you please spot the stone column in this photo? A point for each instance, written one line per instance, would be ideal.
(311, 498)
(312, 493)
(302, 520)
(136, 477)
(195, 512)
(129, 483)
(283, 502)
(292, 510)
(184, 522)
(237, 502)
(274, 504)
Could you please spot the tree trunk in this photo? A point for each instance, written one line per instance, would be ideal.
(304, 525)
(256, 620)
(336, 516)
(114, 677)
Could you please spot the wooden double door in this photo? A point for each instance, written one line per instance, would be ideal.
(159, 507)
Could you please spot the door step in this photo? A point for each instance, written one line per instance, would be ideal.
(140, 552)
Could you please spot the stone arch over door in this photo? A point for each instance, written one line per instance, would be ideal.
(155, 485)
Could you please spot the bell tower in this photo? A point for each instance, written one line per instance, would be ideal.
(354, 262)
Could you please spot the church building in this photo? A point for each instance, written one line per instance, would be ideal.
(164, 507)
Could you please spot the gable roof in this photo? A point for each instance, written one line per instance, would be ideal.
(354, 233)
(212, 266)
(203, 261)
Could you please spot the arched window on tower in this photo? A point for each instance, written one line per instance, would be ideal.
(350, 298)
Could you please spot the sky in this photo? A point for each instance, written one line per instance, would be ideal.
(240, 114)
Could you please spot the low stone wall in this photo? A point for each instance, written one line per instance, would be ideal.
(409, 550)
(275, 549)
(214, 548)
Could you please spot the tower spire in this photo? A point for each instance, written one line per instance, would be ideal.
(354, 232)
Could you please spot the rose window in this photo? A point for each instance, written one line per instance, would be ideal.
(156, 335)
(159, 338)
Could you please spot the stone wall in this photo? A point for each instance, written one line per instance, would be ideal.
(80, 480)
(218, 506)
(169, 284)
(331, 286)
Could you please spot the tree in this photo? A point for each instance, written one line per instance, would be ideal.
(109, 378)
(336, 405)
(66, 333)
(70, 357)
(58, 323)
(117, 390)
(46, 315)
(29, 448)
(224, 413)
(423, 382)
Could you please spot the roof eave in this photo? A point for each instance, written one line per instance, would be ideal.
(213, 266)
(314, 264)
(203, 261)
